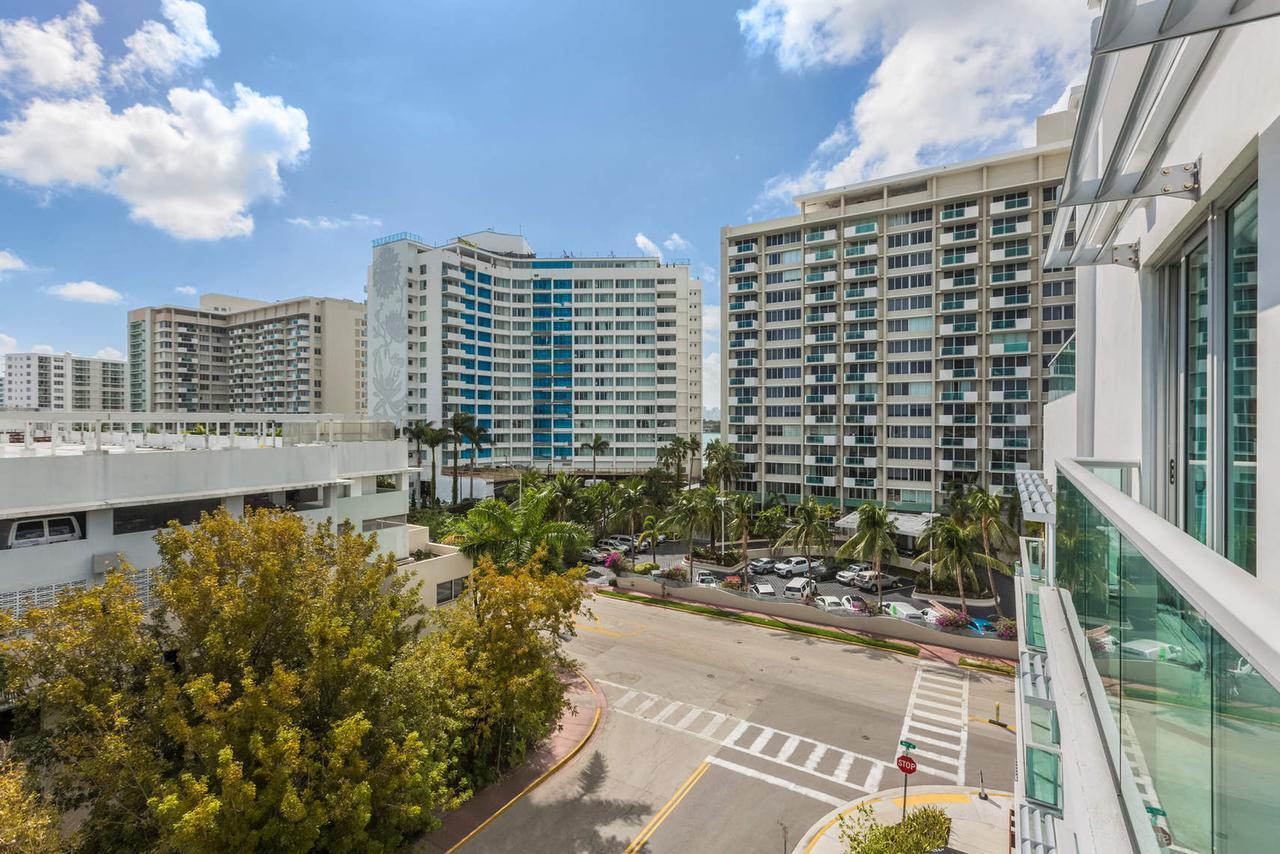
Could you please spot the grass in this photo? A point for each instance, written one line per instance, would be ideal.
(990, 666)
(766, 622)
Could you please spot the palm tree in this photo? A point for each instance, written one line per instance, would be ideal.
(631, 500)
(433, 439)
(595, 502)
(741, 509)
(418, 433)
(984, 509)
(460, 423)
(512, 533)
(872, 542)
(671, 456)
(598, 445)
(478, 436)
(692, 447)
(650, 530)
(562, 491)
(724, 466)
(694, 509)
(808, 529)
(950, 546)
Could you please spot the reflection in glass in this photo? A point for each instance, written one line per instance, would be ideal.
(1197, 399)
(1242, 380)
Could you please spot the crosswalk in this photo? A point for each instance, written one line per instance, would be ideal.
(937, 721)
(808, 756)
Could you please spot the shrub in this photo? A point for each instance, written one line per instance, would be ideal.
(733, 582)
(952, 620)
(646, 568)
(673, 573)
(925, 829)
(708, 554)
(611, 561)
(1007, 628)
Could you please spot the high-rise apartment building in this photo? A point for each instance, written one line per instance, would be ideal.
(544, 352)
(231, 354)
(63, 382)
(891, 336)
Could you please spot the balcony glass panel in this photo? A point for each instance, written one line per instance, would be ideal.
(1242, 380)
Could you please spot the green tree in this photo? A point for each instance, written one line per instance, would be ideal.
(433, 439)
(952, 550)
(671, 458)
(512, 533)
(460, 424)
(631, 499)
(984, 509)
(771, 522)
(650, 530)
(872, 541)
(808, 529)
(741, 510)
(478, 437)
(417, 432)
(563, 492)
(296, 714)
(28, 822)
(693, 511)
(597, 446)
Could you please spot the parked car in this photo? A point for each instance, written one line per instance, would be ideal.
(982, 626)
(903, 611)
(929, 616)
(761, 565)
(846, 576)
(763, 591)
(828, 603)
(706, 579)
(795, 566)
(868, 581)
(1151, 650)
(821, 571)
(39, 532)
(854, 603)
(623, 538)
(799, 588)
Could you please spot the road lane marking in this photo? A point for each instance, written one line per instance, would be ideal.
(776, 781)
(626, 698)
(816, 756)
(667, 712)
(718, 719)
(731, 740)
(788, 748)
(842, 770)
(761, 740)
(661, 816)
(938, 716)
(689, 717)
(650, 699)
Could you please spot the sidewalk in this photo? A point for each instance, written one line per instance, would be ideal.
(487, 804)
(977, 826)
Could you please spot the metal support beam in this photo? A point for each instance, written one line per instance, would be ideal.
(1132, 23)
(1180, 179)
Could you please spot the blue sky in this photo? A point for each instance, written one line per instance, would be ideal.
(154, 149)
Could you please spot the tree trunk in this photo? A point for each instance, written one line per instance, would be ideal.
(879, 587)
(964, 609)
(691, 553)
(991, 573)
(455, 472)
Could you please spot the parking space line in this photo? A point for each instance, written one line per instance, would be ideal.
(776, 781)
(667, 712)
(788, 748)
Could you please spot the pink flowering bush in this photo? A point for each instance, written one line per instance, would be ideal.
(612, 560)
(952, 620)
(1007, 628)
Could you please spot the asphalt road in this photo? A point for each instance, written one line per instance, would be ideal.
(728, 737)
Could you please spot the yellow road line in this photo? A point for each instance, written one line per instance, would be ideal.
(595, 723)
(661, 816)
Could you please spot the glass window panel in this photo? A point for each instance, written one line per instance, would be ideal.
(1246, 776)
(1242, 380)
(1197, 394)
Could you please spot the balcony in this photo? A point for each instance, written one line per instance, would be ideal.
(865, 249)
(744, 305)
(820, 338)
(814, 420)
(968, 280)
(860, 482)
(818, 237)
(1011, 442)
(959, 235)
(737, 249)
(959, 350)
(813, 299)
(860, 314)
(957, 442)
(744, 419)
(859, 439)
(1008, 323)
(819, 480)
(828, 316)
(1009, 420)
(957, 373)
(957, 420)
(747, 382)
(958, 327)
(744, 399)
(1001, 347)
(865, 420)
(1011, 203)
(860, 229)
(743, 267)
(740, 287)
(1009, 229)
(1010, 253)
(861, 271)
(744, 361)
(958, 396)
(861, 461)
(1001, 371)
(819, 439)
(819, 399)
(1009, 277)
(820, 277)
(820, 255)
(744, 343)
(958, 304)
(819, 379)
(861, 377)
(957, 465)
(863, 292)
(746, 323)
(861, 334)
(860, 397)
(860, 356)
(1010, 300)
(954, 214)
(819, 460)
(958, 258)
(820, 359)
(1016, 395)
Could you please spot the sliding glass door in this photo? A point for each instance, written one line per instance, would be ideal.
(1196, 395)
(1241, 390)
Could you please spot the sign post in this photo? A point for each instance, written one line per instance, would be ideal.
(907, 766)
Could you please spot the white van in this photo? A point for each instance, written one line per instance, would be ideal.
(39, 532)
(903, 611)
(798, 588)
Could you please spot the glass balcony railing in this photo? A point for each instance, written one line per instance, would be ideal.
(1062, 371)
(1183, 647)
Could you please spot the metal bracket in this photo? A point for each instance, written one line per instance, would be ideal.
(1177, 179)
(1126, 254)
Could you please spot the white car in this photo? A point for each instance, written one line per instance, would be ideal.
(828, 603)
(39, 532)
(791, 566)
(903, 611)
(852, 603)
(706, 579)
(799, 588)
(763, 591)
(1151, 650)
(930, 616)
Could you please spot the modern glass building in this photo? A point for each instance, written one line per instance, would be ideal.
(1150, 609)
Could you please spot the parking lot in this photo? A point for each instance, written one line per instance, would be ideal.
(727, 737)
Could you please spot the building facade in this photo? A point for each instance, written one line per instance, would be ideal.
(544, 352)
(1149, 715)
(295, 356)
(54, 382)
(890, 337)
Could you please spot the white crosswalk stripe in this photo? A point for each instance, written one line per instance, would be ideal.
(938, 718)
(791, 750)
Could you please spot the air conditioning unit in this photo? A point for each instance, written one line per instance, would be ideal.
(104, 563)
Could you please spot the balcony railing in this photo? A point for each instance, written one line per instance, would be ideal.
(1062, 371)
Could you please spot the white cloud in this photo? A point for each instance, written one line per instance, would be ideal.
(10, 263)
(324, 223)
(8, 344)
(676, 243)
(86, 291)
(186, 290)
(953, 79)
(58, 55)
(710, 378)
(709, 278)
(42, 348)
(108, 353)
(191, 166)
(161, 51)
(647, 246)
(710, 325)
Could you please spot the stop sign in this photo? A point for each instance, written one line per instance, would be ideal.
(906, 764)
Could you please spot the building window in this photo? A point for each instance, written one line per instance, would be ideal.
(1242, 380)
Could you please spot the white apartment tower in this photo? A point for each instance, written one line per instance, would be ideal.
(296, 356)
(54, 382)
(892, 336)
(544, 352)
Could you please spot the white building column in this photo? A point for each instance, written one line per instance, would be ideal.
(1268, 462)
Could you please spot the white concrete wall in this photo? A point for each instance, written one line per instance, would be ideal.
(1059, 433)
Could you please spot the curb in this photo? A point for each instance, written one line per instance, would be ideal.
(561, 762)
(654, 602)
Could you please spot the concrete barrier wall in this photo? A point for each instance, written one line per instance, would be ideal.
(887, 627)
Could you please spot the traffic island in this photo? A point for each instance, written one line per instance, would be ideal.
(978, 826)
(462, 825)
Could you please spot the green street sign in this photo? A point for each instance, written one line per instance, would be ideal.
(1156, 811)
(908, 745)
